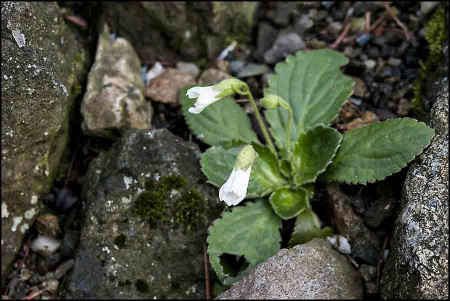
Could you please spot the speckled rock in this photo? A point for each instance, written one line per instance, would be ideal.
(166, 87)
(42, 65)
(417, 266)
(114, 99)
(310, 271)
(126, 252)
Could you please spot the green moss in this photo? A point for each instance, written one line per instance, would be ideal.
(435, 35)
(141, 286)
(190, 209)
(151, 206)
(120, 241)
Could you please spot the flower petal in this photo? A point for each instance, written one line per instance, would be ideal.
(193, 92)
(195, 110)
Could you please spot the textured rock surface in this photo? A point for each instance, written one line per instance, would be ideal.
(212, 76)
(309, 271)
(364, 243)
(417, 266)
(163, 30)
(165, 88)
(42, 64)
(114, 100)
(120, 254)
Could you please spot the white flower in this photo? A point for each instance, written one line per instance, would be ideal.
(205, 96)
(235, 188)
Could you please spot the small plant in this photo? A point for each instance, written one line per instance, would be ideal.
(302, 99)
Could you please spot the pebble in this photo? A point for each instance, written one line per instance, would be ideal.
(155, 71)
(267, 35)
(236, 66)
(48, 224)
(52, 285)
(359, 89)
(368, 272)
(371, 287)
(165, 88)
(188, 68)
(303, 23)
(252, 70)
(45, 245)
(362, 39)
(394, 61)
(284, 45)
(47, 264)
(212, 76)
(387, 51)
(340, 243)
(404, 106)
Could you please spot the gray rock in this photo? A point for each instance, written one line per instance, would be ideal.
(42, 66)
(284, 45)
(165, 87)
(266, 37)
(189, 68)
(252, 70)
(364, 243)
(417, 266)
(114, 100)
(131, 245)
(379, 211)
(309, 271)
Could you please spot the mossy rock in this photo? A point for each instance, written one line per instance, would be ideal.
(42, 66)
(147, 213)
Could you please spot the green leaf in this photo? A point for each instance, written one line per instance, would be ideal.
(375, 151)
(314, 87)
(217, 164)
(289, 203)
(307, 227)
(221, 123)
(251, 231)
(313, 153)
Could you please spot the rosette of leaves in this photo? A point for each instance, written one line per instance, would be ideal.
(312, 83)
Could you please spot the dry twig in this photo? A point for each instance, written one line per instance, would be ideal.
(207, 284)
(396, 19)
(341, 37)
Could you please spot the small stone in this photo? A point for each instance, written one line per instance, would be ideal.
(370, 64)
(25, 274)
(340, 243)
(362, 39)
(165, 87)
(368, 272)
(236, 66)
(64, 268)
(267, 35)
(154, 72)
(359, 89)
(387, 51)
(284, 45)
(212, 76)
(48, 224)
(188, 68)
(252, 70)
(316, 44)
(303, 23)
(394, 61)
(335, 27)
(427, 6)
(52, 285)
(45, 245)
(283, 13)
(403, 107)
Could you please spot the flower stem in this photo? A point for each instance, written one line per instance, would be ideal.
(260, 121)
(288, 108)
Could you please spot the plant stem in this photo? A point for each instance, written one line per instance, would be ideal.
(285, 105)
(261, 122)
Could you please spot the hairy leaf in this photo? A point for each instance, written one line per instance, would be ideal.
(375, 151)
(307, 227)
(221, 123)
(313, 153)
(217, 164)
(289, 203)
(251, 231)
(314, 87)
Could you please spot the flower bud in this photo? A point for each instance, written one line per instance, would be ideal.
(229, 86)
(246, 157)
(270, 102)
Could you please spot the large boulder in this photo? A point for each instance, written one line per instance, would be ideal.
(309, 271)
(147, 209)
(42, 66)
(114, 100)
(417, 267)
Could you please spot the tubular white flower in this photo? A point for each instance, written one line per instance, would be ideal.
(234, 190)
(205, 96)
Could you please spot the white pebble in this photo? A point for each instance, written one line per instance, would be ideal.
(45, 245)
(340, 243)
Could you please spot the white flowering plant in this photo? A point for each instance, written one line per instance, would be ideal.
(277, 175)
